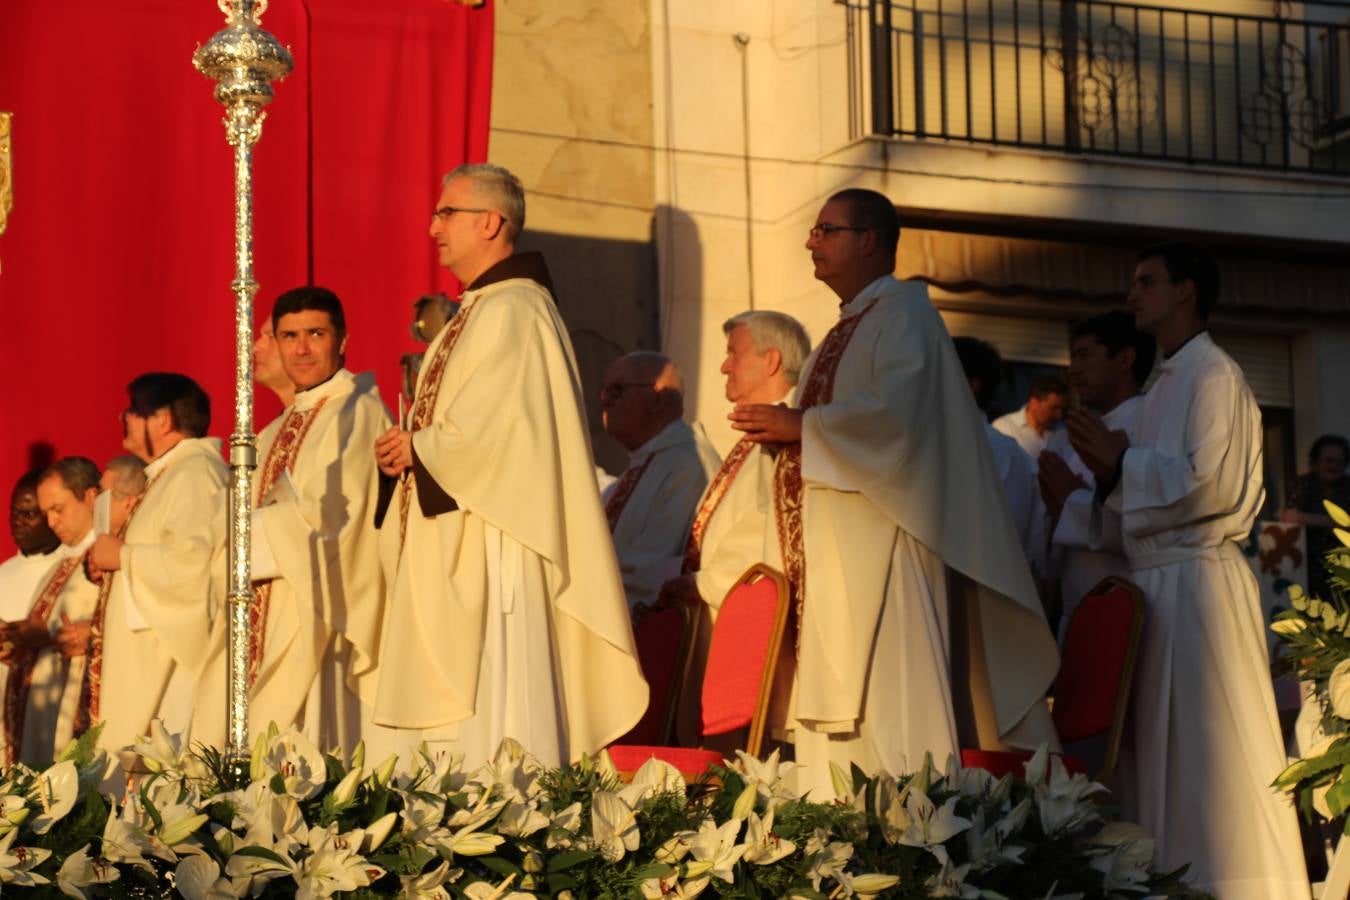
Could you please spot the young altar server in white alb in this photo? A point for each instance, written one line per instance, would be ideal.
(318, 591)
(506, 611)
(152, 624)
(1186, 482)
(765, 354)
(1109, 361)
(36, 674)
(652, 504)
(885, 488)
(38, 550)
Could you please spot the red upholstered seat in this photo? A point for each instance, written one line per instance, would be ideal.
(691, 761)
(1092, 689)
(662, 640)
(737, 656)
(742, 658)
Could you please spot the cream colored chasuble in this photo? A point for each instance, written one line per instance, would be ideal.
(506, 615)
(899, 488)
(320, 594)
(158, 619)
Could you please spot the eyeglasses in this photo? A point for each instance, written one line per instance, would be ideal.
(445, 212)
(825, 229)
(615, 391)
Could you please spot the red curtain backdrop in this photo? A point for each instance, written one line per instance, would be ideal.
(120, 248)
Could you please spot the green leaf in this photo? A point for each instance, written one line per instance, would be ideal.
(559, 883)
(559, 862)
(499, 865)
(278, 784)
(262, 853)
(653, 870)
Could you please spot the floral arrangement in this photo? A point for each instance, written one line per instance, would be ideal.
(311, 825)
(1316, 636)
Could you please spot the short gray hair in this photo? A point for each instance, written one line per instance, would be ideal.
(130, 472)
(775, 331)
(499, 190)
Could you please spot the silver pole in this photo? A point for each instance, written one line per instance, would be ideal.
(243, 60)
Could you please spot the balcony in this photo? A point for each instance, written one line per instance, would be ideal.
(1095, 77)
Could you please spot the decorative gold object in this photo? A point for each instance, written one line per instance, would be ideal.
(6, 173)
(243, 60)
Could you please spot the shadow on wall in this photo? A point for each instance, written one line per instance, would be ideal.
(607, 294)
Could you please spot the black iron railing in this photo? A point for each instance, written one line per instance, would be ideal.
(1102, 77)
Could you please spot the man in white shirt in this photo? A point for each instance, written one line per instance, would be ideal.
(152, 624)
(652, 505)
(38, 550)
(983, 365)
(1109, 361)
(1033, 424)
(1186, 484)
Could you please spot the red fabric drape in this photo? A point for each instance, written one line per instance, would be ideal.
(120, 247)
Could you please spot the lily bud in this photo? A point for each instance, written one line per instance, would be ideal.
(874, 883)
(745, 803)
(533, 863)
(256, 770)
(385, 771)
(345, 791)
(378, 833)
(359, 755)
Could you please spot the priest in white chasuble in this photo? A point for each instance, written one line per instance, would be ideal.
(651, 506)
(318, 591)
(765, 354)
(1185, 481)
(1109, 361)
(506, 613)
(919, 627)
(35, 666)
(152, 623)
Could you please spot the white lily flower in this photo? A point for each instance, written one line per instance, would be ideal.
(1126, 866)
(482, 890)
(13, 811)
(521, 820)
(17, 863)
(470, 842)
(1037, 766)
(333, 865)
(514, 772)
(985, 847)
(715, 850)
(950, 881)
(164, 752)
(429, 885)
(54, 793)
(198, 877)
(299, 763)
(674, 848)
(484, 810)
(660, 777)
(671, 888)
(1338, 689)
(827, 858)
(127, 842)
(763, 847)
(889, 801)
(1013, 820)
(768, 777)
(930, 827)
(1063, 800)
(80, 871)
(869, 884)
(422, 817)
(613, 825)
(563, 826)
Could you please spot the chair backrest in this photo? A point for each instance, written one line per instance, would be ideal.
(743, 655)
(665, 642)
(1097, 664)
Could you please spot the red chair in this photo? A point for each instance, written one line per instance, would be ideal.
(664, 662)
(1092, 690)
(742, 662)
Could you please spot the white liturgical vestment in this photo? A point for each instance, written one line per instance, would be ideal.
(1079, 566)
(19, 579)
(1016, 426)
(1206, 738)
(320, 594)
(1017, 473)
(652, 506)
(506, 611)
(155, 628)
(898, 492)
(33, 690)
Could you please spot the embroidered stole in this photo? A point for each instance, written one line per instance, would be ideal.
(721, 483)
(93, 672)
(424, 404)
(623, 492)
(20, 681)
(787, 473)
(280, 457)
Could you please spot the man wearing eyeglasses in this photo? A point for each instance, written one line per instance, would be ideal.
(884, 485)
(652, 505)
(506, 609)
(150, 629)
